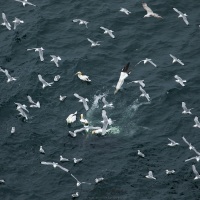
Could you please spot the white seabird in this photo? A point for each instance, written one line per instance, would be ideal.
(140, 154)
(97, 180)
(169, 171)
(124, 10)
(150, 13)
(106, 104)
(86, 128)
(57, 78)
(62, 98)
(141, 82)
(83, 100)
(106, 122)
(107, 31)
(44, 83)
(24, 2)
(197, 176)
(150, 175)
(75, 195)
(5, 22)
(147, 60)
(197, 158)
(12, 130)
(41, 150)
(180, 80)
(184, 16)
(20, 106)
(22, 113)
(33, 104)
(10, 78)
(173, 143)
(83, 77)
(93, 44)
(40, 50)
(63, 159)
(71, 118)
(78, 183)
(77, 160)
(144, 94)
(55, 59)
(189, 144)
(197, 123)
(17, 22)
(83, 120)
(176, 60)
(99, 130)
(123, 75)
(185, 109)
(2, 181)
(81, 22)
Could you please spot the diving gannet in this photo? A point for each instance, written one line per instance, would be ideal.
(71, 118)
(107, 31)
(10, 78)
(150, 175)
(75, 195)
(169, 171)
(12, 130)
(33, 104)
(150, 12)
(197, 158)
(97, 180)
(55, 59)
(44, 83)
(41, 150)
(141, 82)
(176, 59)
(24, 2)
(106, 104)
(180, 80)
(147, 60)
(93, 44)
(140, 154)
(189, 144)
(17, 22)
(182, 15)
(40, 50)
(144, 94)
(124, 10)
(197, 176)
(106, 122)
(173, 143)
(197, 124)
(63, 159)
(83, 77)
(5, 22)
(62, 98)
(81, 22)
(185, 109)
(83, 100)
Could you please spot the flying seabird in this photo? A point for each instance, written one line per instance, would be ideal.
(71, 118)
(62, 98)
(22, 113)
(83, 77)
(150, 175)
(81, 22)
(197, 124)
(41, 150)
(55, 59)
(169, 171)
(185, 109)
(189, 144)
(197, 176)
(78, 183)
(5, 22)
(10, 78)
(93, 44)
(33, 104)
(17, 22)
(197, 158)
(2, 181)
(180, 80)
(182, 15)
(24, 2)
(141, 82)
(125, 11)
(83, 100)
(75, 195)
(144, 94)
(106, 122)
(40, 50)
(86, 128)
(63, 159)
(150, 12)
(44, 83)
(176, 60)
(123, 75)
(106, 104)
(107, 31)
(173, 143)
(12, 130)
(140, 154)
(147, 60)
(97, 180)
(20, 106)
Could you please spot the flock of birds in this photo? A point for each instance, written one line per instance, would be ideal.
(102, 130)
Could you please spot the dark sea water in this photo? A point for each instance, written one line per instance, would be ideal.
(137, 123)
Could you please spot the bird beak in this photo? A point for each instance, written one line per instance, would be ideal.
(76, 74)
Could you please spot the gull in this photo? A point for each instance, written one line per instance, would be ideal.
(62, 98)
(106, 104)
(83, 77)
(180, 80)
(10, 78)
(2, 181)
(12, 130)
(41, 150)
(77, 160)
(44, 83)
(83, 121)
(150, 175)
(17, 22)
(140, 154)
(197, 124)
(197, 158)
(73, 134)
(185, 109)
(57, 78)
(78, 182)
(55, 59)
(173, 143)
(5, 22)
(125, 11)
(106, 122)
(141, 82)
(93, 44)
(40, 50)
(147, 60)
(107, 31)
(63, 159)
(169, 171)
(81, 22)
(150, 12)
(71, 118)
(75, 195)
(84, 101)
(34, 105)
(182, 15)
(144, 94)
(123, 75)
(19, 105)
(197, 176)
(24, 2)
(189, 144)
(176, 60)
(97, 180)
(22, 113)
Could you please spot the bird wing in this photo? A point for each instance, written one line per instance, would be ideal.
(111, 34)
(150, 173)
(180, 13)
(76, 20)
(46, 163)
(147, 8)
(179, 61)
(196, 151)
(6, 21)
(105, 29)
(156, 15)
(104, 101)
(85, 104)
(80, 130)
(194, 170)
(142, 90)
(171, 140)
(41, 55)
(153, 63)
(40, 78)
(185, 20)
(196, 120)
(184, 106)
(63, 168)
(173, 56)
(78, 96)
(90, 40)
(105, 122)
(141, 82)
(186, 141)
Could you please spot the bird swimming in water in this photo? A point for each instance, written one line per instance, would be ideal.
(71, 118)
(41, 150)
(83, 77)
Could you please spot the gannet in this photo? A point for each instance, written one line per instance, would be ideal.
(123, 75)
(22, 113)
(83, 77)
(150, 12)
(106, 104)
(189, 144)
(75, 195)
(33, 104)
(182, 15)
(19, 105)
(197, 176)
(71, 118)
(180, 80)
(141, 82)
(140, 154)
(97, 180)
(77, 160)
(24, 2)
(169, 171)
(10, 78)
(44, 83)
(106, 122)
(173, 143)
(12, 130)
(147, 60)
(93, 44)
(125, 11)
(55, 59)
(83, 100)
(83, 120)
(63, 159)
(197, 158)
(62, 98)
(144, 94)
(81, 22)
(185, 109)
(176, 60)
(40, 50)
(17, 22)
(197, 124)
(41, 150)
(5, 22)
(150, 175)
(107, 31)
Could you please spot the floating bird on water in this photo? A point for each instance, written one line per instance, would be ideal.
(75, 195)
(184, 16)
(197, 158)
(97, 180)
(169, 171)
(123, 75)
(176, 60)
(83, 77)
(150, 13)
(197, 124)
(173, 143)
(144, 94)
(197, 176)
(124, 10)
(17, 22)
(150, 175)
(40, 50)
(189, 144)
(106, 104)
(55, 59)
(44, 83)
(2, 181)
(41, 150)
(81, 22)
(12, 130)
(62, 98)
(107, 31)
(185, 109)
(141, 82)
(106, 122)
(63, 159)
(33, 104)
(140, 154)
(93, 44)
(71, 118)
(24, 2)
(180, 80)
(10, 78)
(5, 22)
(147, 60)
(83, 120)
(57, 78)
(83, 100)
(77, 160)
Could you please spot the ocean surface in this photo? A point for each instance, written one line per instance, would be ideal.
(138, 124)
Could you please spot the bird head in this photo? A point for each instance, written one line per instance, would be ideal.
(78, 73)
